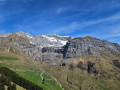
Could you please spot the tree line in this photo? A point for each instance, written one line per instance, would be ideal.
(4, 81)
(10, 75)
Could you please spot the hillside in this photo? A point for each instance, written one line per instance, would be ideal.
(25, 67)
(9, 79)
(89, 73)
(83, 63)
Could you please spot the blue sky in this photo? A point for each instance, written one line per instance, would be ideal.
(77, 18)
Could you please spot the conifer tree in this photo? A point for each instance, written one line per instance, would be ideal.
(2, 87)
(10, 87)
(14, 87)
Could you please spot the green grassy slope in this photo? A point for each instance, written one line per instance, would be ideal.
(23, 65)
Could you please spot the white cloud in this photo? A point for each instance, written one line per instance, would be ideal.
(61, 10)
(67, 29)
(80, 25)
(114, 31)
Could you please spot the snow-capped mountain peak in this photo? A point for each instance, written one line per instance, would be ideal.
(52, 40)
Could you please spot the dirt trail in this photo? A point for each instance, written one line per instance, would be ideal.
(41, 75)
(52, 78)
(57, 82)
(43, 71)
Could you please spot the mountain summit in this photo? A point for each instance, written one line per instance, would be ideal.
(43, 40)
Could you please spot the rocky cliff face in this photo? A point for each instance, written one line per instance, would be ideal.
(53, 48)
(41, 47)
(89, 45)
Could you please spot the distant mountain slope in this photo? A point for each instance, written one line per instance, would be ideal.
(54, 49)
(36, 46)
(83, 63)
(43, 40)
(89, 45)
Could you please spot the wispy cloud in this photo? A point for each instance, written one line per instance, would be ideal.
(2, 2)
(80, 25)
(114, 31)
(110, 33)
(61, 9)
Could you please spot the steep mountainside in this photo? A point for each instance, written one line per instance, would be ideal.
(89, 64)
(37, 46)
(22, 70)
(89, 45)
(81, 63)
(53, 48)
